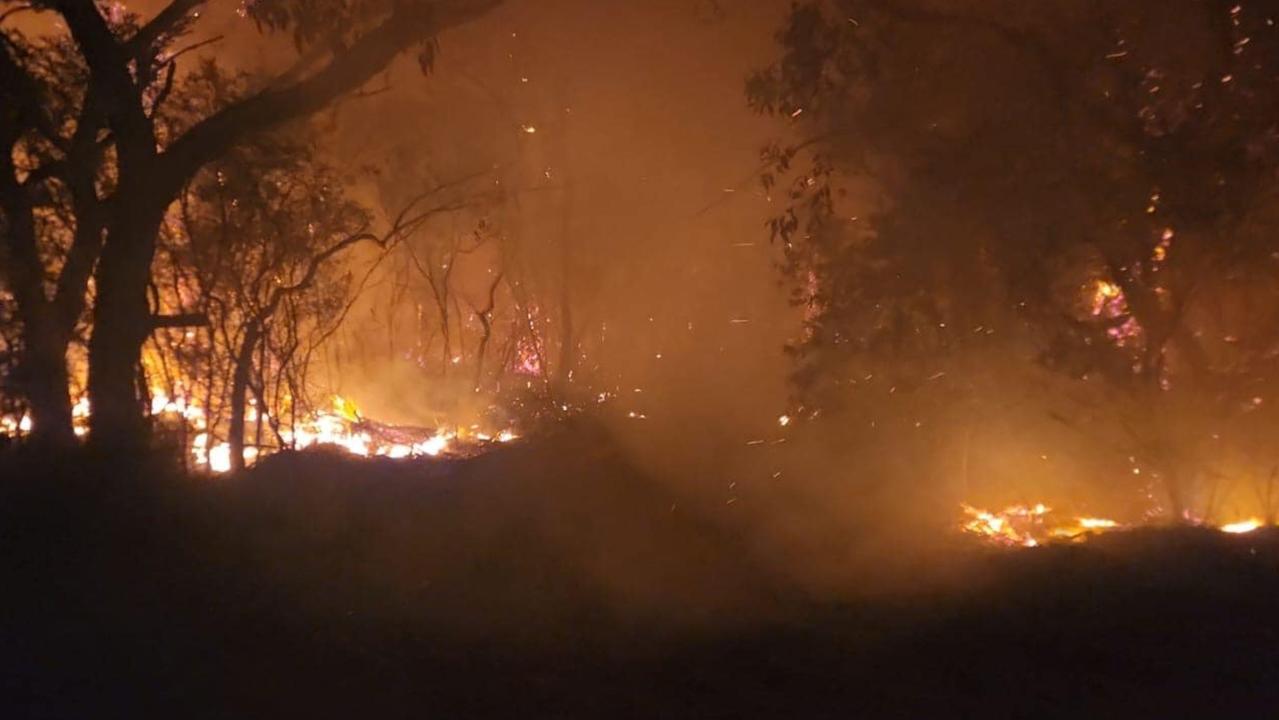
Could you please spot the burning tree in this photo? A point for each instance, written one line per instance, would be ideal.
(92, 166)
(1090, 186)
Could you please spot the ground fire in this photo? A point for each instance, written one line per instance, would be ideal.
(1036, 525)
(341, 426)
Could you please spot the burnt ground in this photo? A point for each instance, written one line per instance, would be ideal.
(535, 583)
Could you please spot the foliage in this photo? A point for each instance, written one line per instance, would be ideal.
(96, 156)
(1091, 187)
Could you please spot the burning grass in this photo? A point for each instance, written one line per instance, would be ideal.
(1038, 524)
(340, 425)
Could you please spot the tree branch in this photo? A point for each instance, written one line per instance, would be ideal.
(171, 20)
(181, 320)
(343, 74)
(111, 81)
(19, 95)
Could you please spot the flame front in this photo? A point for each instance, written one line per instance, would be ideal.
(1038, 524)
(1017, 525)
(342, 426)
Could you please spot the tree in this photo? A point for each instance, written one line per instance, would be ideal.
(256, 237)
(46, 178)
(494, 299)
(1080, 183)
(259, 246)
(124, 165)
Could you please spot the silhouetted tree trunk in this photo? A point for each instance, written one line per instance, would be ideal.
(150, 180)
(121, 324)
(42, 365)
(44, 377)
(239, 392)
(42, 369)
(485, 316)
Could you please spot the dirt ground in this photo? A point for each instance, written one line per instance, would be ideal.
(530, 584)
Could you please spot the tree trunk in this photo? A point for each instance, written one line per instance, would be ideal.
(44, 375)
(121, 324)
(42, 369)
(567, 247)
(239, 393)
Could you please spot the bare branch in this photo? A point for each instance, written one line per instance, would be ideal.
(170, 20)
(343, 74)
(183, 320)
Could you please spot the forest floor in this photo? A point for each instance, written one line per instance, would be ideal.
(527, 583)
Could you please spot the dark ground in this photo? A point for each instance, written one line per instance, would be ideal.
(522, 584)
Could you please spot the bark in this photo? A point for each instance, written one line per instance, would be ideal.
(239, 393)
(121, 324)
(485, 316)
(44, 377)
(256, 328)
(43, 369)
(149, 181)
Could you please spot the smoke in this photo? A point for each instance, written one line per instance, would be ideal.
(636, 197)
(622, 164)
(605, 153)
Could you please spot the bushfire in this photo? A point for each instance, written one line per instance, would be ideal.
(1038, 524)
(341, 425)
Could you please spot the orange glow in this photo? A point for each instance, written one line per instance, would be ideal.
(1242, 526)
(342, 426)
(1036, 525)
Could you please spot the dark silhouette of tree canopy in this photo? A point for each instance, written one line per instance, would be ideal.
(1088, 184)
(95, 158)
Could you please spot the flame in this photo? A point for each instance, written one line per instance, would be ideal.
(1104, 291)
(342, 426)
(1242, 526)
(1013, 526)
(432, 447)
(220, 458)
(345, 427)
(1030, 525)
(1035, 525)
(345, 408)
